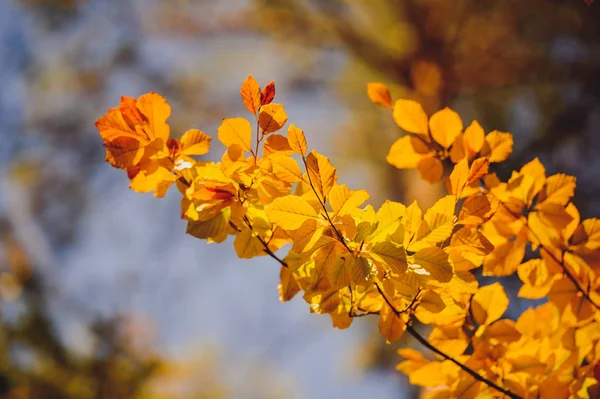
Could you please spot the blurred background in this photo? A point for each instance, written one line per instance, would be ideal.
(102, 295)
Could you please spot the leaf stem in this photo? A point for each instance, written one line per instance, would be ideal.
(265, 245)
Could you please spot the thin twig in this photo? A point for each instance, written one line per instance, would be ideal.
(560, 262)
(429, 346)
(265, 245)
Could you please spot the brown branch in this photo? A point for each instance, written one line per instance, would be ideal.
(560, 262)
(429, 346)
(265, 245)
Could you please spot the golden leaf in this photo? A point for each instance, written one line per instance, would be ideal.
(195, 142)
(489, 304)
(277, 143)
(390, 255)
(391, 326)
(435, 262)
(478, 169)
(288, 287)
(379, 94)
(290, 212)
(409, 115)
(247, 245)
(459, 177)
(286, 169)
(430, 169)
(251, 95)
(473, 139)
(321, 172)
(271, 118)
(297, 140)
(498, 146)
(445, 125)
(236, 131)
(406, 152)
(344, 200)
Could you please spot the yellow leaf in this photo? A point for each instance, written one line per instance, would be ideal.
(450, 340)
(297, 140)
(435, 262)
(489, 304)
(498, 146)
(307, 236)
(250, 92)
(156, 110)
(321, 173)
(504, 331)
(277, 143)
(474, 139)
(458, 152)
(247, 245)
(559, 189)
(478, 209)
(157, 179)
(406, 152)
(471, 240)
(505, 258)
(195, 142)
(409, 115)
(124, 152)
(553, 215)
(390, 255)
(271, 118)
(290, 212)
(236, 131)
(445, 126)
(288, 287)
(286, 169)
(430, 169)
(379, 94)
(478, 169)
(459, 177)
(344, 200)
(212, 230)
(391, 326)
(588, 234)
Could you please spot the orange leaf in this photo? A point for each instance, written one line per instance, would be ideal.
(474, 139)
(268, 93)
(479, 168)
(251, 95)
(277, 143)
(297, 140)
(236, 131)
(498, 146)
(445, 126)
(459, 177)
(431, 169)
(195, 142)
(410, 116)
(271, 118)
(321, 172)
(406, 152)
(379, 94)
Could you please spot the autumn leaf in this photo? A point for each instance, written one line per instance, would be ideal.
(445, 126)
(297, 140)
(379, 94)
(268, 93)
(474, 137)
(195, 142)
(498, 146)
(236, 131)
(251, 95)
(271, 118)
(407, 152)
(286, 169)
(343, 200)
(288, 287)
(410, 116)
(321, 173)
(489, 304)
(290, 212)
(435, 262)
(479, 168)
(459, 177)
(277, 143)
(430, 169)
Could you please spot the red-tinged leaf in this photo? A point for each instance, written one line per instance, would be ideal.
(268, 93)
